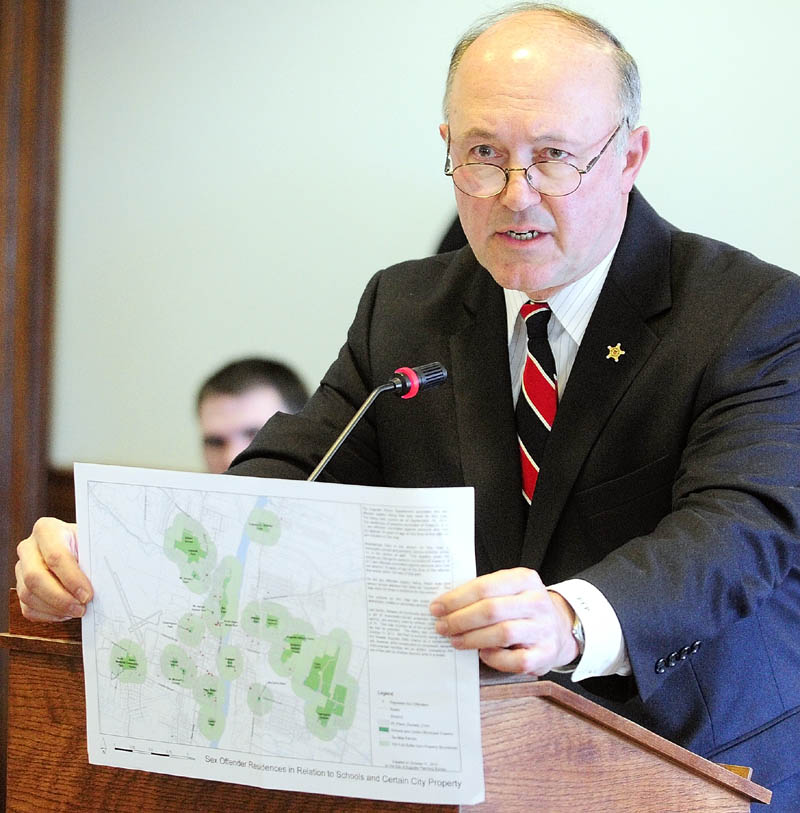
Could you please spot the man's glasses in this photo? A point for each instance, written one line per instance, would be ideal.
(552, 178)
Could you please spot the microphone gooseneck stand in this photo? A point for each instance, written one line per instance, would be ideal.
(407, 382)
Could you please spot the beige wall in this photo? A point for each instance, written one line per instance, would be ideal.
(233, 172)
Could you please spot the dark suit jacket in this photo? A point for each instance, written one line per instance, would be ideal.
(670, 479)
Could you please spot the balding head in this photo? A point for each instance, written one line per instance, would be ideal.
(531, 15)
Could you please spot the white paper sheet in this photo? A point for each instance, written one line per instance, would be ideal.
(276, 633)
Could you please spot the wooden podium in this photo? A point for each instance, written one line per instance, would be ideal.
(545, 749)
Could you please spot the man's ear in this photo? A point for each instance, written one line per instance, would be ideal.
(443, 130)
(635, 153)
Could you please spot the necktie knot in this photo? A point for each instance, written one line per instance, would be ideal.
(536, 316)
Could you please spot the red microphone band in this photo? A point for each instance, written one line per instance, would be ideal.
(413, 379)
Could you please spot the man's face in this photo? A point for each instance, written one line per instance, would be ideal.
(229, 422)
(541, 92)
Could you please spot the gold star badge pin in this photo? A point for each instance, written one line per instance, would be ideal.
(615, 352)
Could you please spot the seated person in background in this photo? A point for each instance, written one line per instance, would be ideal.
(237, 400)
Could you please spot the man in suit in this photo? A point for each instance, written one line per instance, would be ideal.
(658, 564)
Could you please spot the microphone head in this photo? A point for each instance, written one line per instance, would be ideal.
(410, 381)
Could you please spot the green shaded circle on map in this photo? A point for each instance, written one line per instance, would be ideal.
(211, 722)
(291, 653)
(230, 662)
(263, 526)
(196, 577)
(259, 699)
(330, 692)
(207, 690)
(324, 720)
(251, 619)
(213, 618)
(274, 621)
(190, 629)
(127, 662)
(265, 619)
(177, 667)
(221, 607)
(187, 544)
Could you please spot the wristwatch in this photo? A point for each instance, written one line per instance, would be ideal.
(580, 640)
(577, 634)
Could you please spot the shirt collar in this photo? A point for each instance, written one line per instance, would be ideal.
(572, 305)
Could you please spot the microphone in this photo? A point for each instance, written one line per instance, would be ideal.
(410, 381)
(407, 382)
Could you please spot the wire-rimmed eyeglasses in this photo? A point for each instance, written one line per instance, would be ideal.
(552, 178)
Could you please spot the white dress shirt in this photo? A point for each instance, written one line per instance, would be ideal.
(604, 651)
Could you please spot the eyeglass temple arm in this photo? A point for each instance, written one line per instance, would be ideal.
(448, 161)
(605, 147)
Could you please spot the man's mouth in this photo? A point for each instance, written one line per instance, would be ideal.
(522, 235)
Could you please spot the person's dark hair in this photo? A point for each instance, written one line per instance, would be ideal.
(629, 90)
(245, 374)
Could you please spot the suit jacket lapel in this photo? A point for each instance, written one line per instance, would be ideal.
(485, 423)
(637, 287)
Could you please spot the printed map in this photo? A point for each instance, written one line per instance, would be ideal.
(254, 618)
(277, 633)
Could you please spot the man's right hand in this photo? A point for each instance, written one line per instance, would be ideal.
(50, 584)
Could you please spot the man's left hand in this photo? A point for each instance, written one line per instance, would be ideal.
(511, 619)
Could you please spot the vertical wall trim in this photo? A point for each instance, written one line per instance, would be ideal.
(31, 56)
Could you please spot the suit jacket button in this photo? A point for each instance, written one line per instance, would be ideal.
(673, 658)
(660, 666)
(685, 652)
(694, 647)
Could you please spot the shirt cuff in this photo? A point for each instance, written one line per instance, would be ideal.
(604, 652)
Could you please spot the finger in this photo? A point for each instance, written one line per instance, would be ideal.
(58, 547)
(530, 604)
(509, 634)
(499, 583)
(42, 598)
(520, 660)
(33, 615)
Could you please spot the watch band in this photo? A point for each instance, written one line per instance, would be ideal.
(577, 634)
(580, 640)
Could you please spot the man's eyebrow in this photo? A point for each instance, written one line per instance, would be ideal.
(558, 137)
(488, 135)
(477, 132)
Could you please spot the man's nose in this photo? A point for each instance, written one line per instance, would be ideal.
(519, 194)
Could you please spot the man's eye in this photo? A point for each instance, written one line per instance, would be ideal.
(483, 152)
(554, 154)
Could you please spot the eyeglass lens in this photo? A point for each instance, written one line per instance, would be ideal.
(547, 177)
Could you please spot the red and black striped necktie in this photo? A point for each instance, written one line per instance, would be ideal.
(538, 397)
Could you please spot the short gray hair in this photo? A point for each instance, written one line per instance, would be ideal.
(629, 89)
